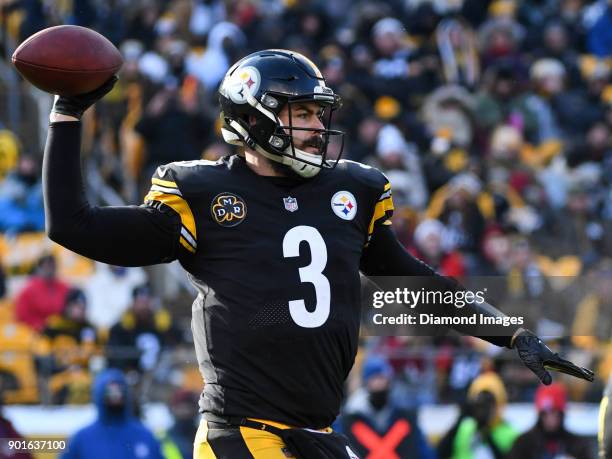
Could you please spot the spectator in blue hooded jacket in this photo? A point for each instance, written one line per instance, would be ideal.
(116, 434)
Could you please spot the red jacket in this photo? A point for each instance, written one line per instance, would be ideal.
(450, 264)
(39, 299)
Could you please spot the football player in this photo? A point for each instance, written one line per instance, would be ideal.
(274, 239)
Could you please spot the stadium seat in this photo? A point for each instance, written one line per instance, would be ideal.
(71, 386)
(16, 342)
(7, 311)
(20, 254)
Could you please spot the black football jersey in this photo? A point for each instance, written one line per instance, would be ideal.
(276, 319)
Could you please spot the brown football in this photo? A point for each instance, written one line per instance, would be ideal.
(67, 60)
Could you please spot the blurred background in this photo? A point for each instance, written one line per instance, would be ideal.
(493, 122)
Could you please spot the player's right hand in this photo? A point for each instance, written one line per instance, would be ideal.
(538, 357)
(76, 105)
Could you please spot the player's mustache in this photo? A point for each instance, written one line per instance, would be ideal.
(316, 142)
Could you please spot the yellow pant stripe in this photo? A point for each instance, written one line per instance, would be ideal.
(201, 447)
(602, 421)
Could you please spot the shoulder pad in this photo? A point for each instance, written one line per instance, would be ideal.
(368, 175)
(184, 173)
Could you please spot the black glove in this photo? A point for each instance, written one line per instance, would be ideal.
(76, 105)
(538, 357)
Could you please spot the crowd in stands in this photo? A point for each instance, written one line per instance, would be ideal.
(491, 118)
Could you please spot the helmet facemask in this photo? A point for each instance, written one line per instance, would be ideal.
(287, 150)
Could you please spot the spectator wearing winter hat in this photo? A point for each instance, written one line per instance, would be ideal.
(375, 425)
(431, 247)
(463, 208)
(43, 295)
(72, 322)
(137, 340)
(177, 442)
(501, 35)
(388, 38)
(549, 437)
(116, 433)
(503, 101)
(547, 80)
(68, 342)
(403, 165)
(394, 71)
(484, 433)
(556, 44)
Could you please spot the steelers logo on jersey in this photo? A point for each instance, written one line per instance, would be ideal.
(344, 205)
(228, 209)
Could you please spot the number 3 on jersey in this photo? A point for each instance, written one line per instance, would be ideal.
(312, 273)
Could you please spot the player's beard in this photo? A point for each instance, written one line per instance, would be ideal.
(315, 141)
(285, 171)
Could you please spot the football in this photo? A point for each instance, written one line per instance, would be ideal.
(67, 60)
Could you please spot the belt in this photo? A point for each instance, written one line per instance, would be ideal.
(222, 422)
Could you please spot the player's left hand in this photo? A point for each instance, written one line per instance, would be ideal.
(538, 357)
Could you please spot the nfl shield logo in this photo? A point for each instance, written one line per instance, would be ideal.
(290, 204)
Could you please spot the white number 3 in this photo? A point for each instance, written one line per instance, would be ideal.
(311, 273)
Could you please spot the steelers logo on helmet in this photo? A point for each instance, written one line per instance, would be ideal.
(242, 82)
(228, 209)
(344, 205)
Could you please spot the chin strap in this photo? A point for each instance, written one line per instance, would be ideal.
(241, 138)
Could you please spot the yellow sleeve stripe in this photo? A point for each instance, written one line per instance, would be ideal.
(180, 206)
(387, 186)
(380, 211)
(166, 183)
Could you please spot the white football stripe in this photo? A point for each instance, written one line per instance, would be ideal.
(188, 237)
(163, 189)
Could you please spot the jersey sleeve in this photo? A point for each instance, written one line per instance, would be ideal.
(383, 208)
(165, 191)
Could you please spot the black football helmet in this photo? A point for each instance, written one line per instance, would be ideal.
(259, 86)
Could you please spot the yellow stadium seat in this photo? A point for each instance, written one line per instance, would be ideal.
(71, 386)
(16, 341)
(7, 311)
(21, 253)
